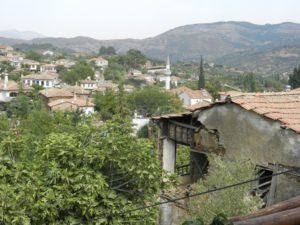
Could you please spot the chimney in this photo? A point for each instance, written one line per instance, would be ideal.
(75, 96)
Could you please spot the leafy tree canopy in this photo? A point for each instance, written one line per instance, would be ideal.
(152, 100)
(79, 71)
(34, 56)
(231, 201)
(76, 173)
(107, 50)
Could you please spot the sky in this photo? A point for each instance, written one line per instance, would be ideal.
(117, 19)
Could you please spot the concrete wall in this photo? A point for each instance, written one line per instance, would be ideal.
(242, 134)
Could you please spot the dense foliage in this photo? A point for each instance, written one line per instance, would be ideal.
(231, 201)
(107, 50)
(152, 100)
(79, 71)
(294, 80)
(54, 170)
(34, 56)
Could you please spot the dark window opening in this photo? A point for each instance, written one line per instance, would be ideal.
(264, 183)
(199, 165)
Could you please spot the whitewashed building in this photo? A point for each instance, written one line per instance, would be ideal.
(191, 97)
(10, 89)
(44, 80)
(88, 84)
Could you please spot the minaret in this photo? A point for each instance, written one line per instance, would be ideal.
(168, 74)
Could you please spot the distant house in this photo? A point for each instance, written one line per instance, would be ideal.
(103, 86)
(48, 52)
(4, 49)
(78, 91)
(44, 80)
(53, 94)
(88, 84)
(31, 65)
(157, 69)
(64, 62)
(48, 68)
(191, 97)
(100, 62)
(10, 89)
(15, 60)
(72, 104)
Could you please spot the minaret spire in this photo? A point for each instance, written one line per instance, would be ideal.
(168, 74)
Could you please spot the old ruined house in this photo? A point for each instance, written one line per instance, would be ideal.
(262, 127)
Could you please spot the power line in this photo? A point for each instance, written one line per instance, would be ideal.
(197, 194)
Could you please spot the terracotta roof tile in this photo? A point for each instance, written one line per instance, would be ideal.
(77, 102)
(280, 106)
(195, 94)
(56, 92)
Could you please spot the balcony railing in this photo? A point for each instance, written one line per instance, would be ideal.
(183, 170)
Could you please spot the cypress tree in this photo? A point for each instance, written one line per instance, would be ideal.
(201, 81)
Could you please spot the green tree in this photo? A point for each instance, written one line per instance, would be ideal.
(249, 82)
(135, 59)
(80, 71)
(6, 66)
(19, 106)
(294, 79)
(201, 81)
(110, 50)
(114, 71)
(78, 177)
(111, 103)
(152, 100)
(231, 201)
(34, 56)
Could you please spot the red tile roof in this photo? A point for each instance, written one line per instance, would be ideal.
(279, 106)
(77, 102)
(194, 94)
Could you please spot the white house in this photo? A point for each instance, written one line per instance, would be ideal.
(4, 49)
(44, 80)
(191, 97)
(100, 62)
(10, 89)
(15, 60)
(88, 84)
(48, 68)
(31, 64)
(48, 52)
(65, 62)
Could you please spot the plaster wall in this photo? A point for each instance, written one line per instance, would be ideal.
(247, 135)
(169, 155)
(242, 134)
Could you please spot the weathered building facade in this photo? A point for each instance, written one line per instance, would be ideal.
(263, 128)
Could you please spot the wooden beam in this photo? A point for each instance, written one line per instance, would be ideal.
(287, 217)
(281, 206)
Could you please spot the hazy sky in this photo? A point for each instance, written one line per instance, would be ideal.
(136, 18)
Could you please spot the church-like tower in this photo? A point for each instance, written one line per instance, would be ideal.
(168, 74)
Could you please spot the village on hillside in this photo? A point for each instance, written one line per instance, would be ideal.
(113, 136)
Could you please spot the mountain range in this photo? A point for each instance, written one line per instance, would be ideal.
(266, 49)
(23, 35)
